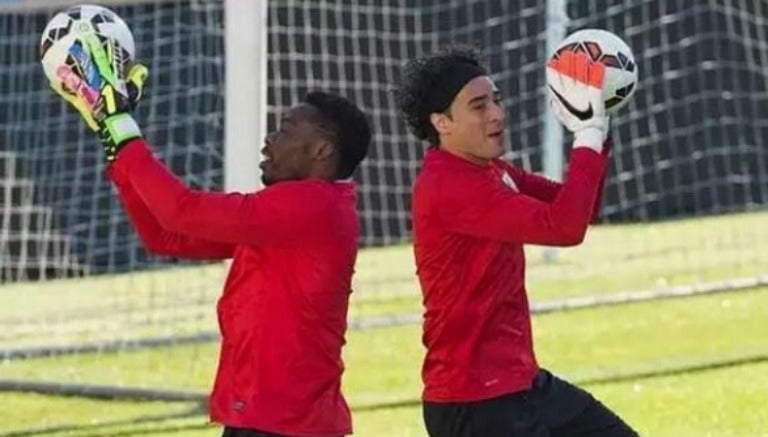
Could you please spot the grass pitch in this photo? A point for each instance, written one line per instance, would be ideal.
(657, 353)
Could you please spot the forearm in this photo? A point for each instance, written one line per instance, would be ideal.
(486, 209)
(606, 153)
(546, 190)
(568, 215)
(161, 191)
(232, 218)
(154, 237)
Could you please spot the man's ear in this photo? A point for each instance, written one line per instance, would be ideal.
(442, 122)
(323, 150)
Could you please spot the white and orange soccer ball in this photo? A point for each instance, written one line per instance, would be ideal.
(610, 50)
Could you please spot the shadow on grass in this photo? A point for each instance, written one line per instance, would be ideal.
(108, 427)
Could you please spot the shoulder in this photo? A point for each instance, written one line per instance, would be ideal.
(301, 188)
(449, 186)
(432, 180)
(310, 194)
(447, 171)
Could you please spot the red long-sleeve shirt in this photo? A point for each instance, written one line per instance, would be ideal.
(283, 311)
(470, 224)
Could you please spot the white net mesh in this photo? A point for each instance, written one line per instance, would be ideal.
(53, 164)
(694, 138)
(61, 217)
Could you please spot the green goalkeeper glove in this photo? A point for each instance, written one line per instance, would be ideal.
(105, 97)
(118, 126)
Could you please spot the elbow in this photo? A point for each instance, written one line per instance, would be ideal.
(572, 236)
(168, 222)
(165, 246)
(595, 218)
(155, 247)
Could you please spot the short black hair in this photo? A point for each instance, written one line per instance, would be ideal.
(419, 76)
(347, 126)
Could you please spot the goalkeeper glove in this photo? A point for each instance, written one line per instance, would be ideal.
(575, 94)
(105, 97)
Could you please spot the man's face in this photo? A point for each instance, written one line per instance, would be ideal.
(475, 126)
(289, 152)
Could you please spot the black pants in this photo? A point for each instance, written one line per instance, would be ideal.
(551, 408)
(242, 432)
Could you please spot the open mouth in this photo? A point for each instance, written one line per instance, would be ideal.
(496, 135)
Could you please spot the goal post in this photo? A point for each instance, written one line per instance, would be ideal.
(245, 117)
(553, 157)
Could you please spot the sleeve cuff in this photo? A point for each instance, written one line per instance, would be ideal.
(590, 137)
(129, 153)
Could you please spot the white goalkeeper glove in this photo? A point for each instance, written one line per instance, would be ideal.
(575, 87)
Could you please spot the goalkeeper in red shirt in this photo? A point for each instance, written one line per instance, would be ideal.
(472, 214)
(283, 312)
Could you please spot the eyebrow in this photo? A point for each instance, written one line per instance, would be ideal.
(496, 95)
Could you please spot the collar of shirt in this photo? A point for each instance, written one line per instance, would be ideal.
(496, 169)
(438, 155)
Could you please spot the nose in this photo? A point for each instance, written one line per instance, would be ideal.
(267, 144)
(499, 113)
(269, 138)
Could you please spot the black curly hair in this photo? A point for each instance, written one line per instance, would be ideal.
(419, 76)
(346, 125)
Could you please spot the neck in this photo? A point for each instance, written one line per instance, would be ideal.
(324, 173)
(457, 151)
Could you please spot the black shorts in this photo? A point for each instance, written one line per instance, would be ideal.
(551, 408)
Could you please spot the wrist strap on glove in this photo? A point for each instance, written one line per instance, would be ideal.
(116, 131)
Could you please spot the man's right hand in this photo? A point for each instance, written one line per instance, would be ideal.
(106, 96)
(575, 85)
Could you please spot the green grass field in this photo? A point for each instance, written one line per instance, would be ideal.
(656, 353)
(181, 300)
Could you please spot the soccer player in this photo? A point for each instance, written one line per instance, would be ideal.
(472, 214)
(283, 311)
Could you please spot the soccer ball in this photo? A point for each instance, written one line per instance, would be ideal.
(59, 45)
(615, 54)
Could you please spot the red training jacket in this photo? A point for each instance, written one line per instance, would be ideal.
(283, 312)
(470, 224)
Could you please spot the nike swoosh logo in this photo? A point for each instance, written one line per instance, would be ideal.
(582, 115)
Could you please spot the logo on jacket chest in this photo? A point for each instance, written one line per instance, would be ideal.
(508, 181)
